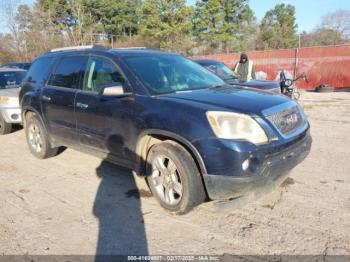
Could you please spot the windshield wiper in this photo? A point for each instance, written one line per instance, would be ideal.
(231, 78)
(216, 86)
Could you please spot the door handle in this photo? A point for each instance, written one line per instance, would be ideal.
(82, 106)
(46, 98)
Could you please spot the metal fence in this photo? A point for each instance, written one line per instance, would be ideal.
(324, 65)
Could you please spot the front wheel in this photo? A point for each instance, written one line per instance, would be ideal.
(173, 178)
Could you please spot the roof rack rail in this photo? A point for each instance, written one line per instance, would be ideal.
(133, 47)
(79, 47)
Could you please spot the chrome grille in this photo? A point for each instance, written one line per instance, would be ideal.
(287, 120)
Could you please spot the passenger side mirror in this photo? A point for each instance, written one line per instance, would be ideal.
(114, 89)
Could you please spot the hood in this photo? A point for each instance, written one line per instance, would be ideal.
(231, 98)
(11, 92)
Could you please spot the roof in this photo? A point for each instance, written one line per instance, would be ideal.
(11, 69)
(145, 51)
(100, 49)
(207, 61)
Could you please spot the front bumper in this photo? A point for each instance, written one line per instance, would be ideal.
(272, 171)
(11, 115)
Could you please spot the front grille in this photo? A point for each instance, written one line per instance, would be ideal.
(287, 120)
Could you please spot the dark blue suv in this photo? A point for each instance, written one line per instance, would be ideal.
(167, 118)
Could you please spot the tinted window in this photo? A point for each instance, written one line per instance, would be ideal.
(11, 79)
(39, 70)
(222, 71)
(101, 72)
(165, 74)
(68, 72)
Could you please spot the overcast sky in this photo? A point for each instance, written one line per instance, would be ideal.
(308, 12)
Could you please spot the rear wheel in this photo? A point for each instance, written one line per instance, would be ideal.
(5, 128)
(37, 139)
(174, 179)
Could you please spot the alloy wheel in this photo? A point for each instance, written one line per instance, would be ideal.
(34, 137)
(166, 180)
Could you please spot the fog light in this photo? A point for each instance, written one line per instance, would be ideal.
(245, 164)
(14, 116)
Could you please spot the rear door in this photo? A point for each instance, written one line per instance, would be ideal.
(58, 97)
(104, 123)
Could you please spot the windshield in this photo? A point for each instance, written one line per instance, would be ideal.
(163, 74)
(222, 71)
(11, 79)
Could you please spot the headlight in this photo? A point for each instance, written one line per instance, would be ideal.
(7, 100)
(229, 125)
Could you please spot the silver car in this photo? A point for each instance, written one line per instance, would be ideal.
(10, 111)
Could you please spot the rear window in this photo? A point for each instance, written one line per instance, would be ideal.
(39, 70)
(68, 72)
(11, 79)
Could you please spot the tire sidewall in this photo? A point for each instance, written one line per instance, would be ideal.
(32, 119)
(187, 170)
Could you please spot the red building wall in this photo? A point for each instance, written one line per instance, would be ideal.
(323, 65)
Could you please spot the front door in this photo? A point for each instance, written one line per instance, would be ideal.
(104, 122)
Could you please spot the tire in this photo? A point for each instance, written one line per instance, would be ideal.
(5, 128)
(178, 168)
(324, 89)
(37, 138)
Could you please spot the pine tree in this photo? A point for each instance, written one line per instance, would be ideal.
(225, 25)
(278, 28)
(166, 24)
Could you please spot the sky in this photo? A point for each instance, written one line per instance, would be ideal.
(308, 12)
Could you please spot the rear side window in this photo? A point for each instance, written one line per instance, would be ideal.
(39, 70)
(68, 72)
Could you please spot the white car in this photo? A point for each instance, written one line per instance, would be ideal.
(10, 111)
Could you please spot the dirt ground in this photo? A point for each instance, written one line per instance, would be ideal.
(77, 204)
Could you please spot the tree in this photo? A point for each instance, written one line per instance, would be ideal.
(334, 29)
(224, 24)
(278, 28)
(120, 18)
(166, 24)
(207, 21)
(338, 21)
(59, 11)
(9, 14)
(6, 53)
(321, 37)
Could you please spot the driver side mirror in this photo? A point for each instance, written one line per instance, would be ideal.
(114, 89)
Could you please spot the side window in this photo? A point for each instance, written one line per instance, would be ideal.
(68, 72)
(39, 70)
(101, 72)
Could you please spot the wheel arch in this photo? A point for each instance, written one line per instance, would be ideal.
(27, 110)
(154, 136)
